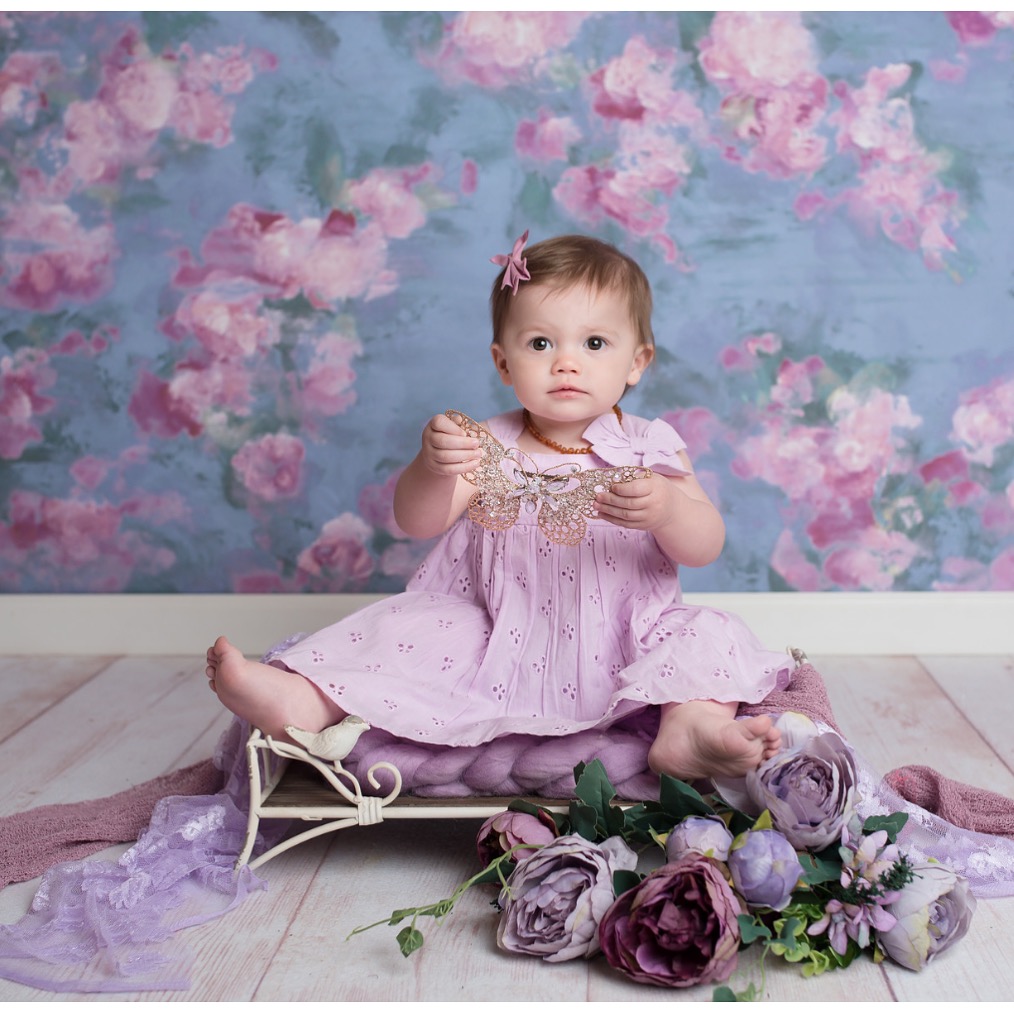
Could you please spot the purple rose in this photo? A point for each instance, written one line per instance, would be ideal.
(501, 832)
(678, 927)
(809, 790)
(765, 869)
(707, 835)
(556, 897)
(932, 912)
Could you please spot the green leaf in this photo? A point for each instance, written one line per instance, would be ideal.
(751, 929)
(818, 869)
(891, 823)
(594, 789)
(409, 940)
(582, 820)
(681, 800)
(723, 994)
(624, 880)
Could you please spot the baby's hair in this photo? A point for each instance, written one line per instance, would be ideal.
(575, 260)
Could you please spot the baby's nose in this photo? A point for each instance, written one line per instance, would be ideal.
(565, 362)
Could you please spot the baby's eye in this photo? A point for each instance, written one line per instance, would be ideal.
(595, 343)
(539, 344)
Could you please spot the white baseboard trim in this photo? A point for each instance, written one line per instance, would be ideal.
(828, 623)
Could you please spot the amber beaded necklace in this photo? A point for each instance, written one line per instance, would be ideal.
(542, 439)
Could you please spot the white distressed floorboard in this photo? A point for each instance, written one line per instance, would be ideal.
(108, 726)
(29, 685)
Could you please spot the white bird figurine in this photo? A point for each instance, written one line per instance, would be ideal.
(334, 743)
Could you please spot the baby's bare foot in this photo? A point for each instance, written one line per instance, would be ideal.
(701, 739)
(266, 696)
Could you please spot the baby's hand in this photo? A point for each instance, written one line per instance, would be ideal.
(447, 449)
(645, 504)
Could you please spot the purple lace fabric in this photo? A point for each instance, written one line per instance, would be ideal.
(111, 926)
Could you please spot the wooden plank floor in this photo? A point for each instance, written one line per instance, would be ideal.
(78, 728)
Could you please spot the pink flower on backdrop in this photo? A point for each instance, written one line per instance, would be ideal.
(469, 177)
(376, 505)
(744, 356)
(864, 438)
(547, 138)
(766, 65)
(89, 472)
(338, 556)
(200, 392)
(984, 421)
(592, 194)
(790, 562)
(24, 79)
(271, 466)
(872, 562)
(49, 259)
(757, 51)
(260, 582)
(142, 95)
(496, 48)
(80, 541)
(794, 387)
(637, 85)
(402, 559)
(699, 427)
(22, 377)
(326, 387)
(899, 187)
(197, 395)
(225, 324)
(790, 458)
(1001, 571)
(391, 197)
(325, 260)
(977, 28)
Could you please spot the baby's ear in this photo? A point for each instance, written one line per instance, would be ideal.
(642, 360)
(500, 362)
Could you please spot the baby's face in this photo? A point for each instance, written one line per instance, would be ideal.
(569, 353)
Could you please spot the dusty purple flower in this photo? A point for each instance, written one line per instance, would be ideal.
(765, 869)
(707, 835)
(678, 927)
(809, 790)
(844, 920)
(501, 832)
(556, 897)
(933, 911)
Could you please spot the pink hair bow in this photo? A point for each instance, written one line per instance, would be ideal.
(515, 266)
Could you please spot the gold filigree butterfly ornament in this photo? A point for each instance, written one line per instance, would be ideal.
(562, 497)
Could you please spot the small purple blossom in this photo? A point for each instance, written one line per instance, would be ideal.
(503, 831)
(708, 836)
(765, 869)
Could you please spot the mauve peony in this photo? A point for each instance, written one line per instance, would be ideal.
(678, 927)
(765, 869)
(707, 836)
(556, 898)
(501, 832)
(809, 790)
(932, 912)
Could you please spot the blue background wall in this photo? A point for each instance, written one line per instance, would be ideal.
(245, 257)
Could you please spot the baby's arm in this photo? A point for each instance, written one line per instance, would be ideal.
(675, 509)
(431, 493)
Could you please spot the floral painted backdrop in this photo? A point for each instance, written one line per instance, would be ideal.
(244, 257)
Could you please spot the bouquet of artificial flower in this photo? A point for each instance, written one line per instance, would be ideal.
(778, 860)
